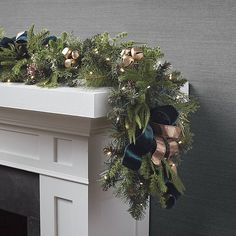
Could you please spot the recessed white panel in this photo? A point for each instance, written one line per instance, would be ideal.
(63, 151)
(63, 216)
(19, 143)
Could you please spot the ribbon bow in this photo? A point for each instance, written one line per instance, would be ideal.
(166, 135)
(20, 42)
(21, 39)
(130, 55)
(160, 139)
(71, 57)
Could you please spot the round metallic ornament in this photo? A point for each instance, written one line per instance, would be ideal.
(126, 52)
(75, 54)
(127, 61)
(137, 54)
(68, 63)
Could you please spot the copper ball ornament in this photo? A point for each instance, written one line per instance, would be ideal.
(68, 63)
(73, 62)
(75, 54)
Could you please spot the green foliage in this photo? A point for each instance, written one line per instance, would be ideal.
(16, 69)
(135, 90)
(35, 40)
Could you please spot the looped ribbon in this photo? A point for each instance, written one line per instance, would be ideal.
(130, 55)
(20, 42)
(71, 57)
(21, 39)
(165, 137)
(160, 139)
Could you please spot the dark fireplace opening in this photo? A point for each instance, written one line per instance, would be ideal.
(19, 202)
(12, 224)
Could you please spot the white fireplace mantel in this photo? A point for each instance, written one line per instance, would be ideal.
(59, 134)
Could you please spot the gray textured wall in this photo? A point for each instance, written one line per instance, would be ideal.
(198, 37)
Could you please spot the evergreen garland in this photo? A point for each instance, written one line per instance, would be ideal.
(137, 86)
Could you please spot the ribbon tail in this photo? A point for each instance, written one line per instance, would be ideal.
(133, 153)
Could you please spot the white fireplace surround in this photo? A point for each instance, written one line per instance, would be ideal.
(59, 134)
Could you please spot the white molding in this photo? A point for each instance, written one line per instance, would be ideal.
(79, 101)
(44, 172)
(53, 122)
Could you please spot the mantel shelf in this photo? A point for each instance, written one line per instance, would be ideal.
(79, 101)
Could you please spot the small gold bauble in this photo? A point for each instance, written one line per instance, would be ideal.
(73, 62)
(137, 54)
(68, 63)
(127, 61)
(67, 53)
(75, 54)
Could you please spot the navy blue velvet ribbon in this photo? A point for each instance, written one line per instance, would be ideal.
(134, 152)
(22, 38)
(49, 38)
(4, 42)
(172, 194)
(145, 143)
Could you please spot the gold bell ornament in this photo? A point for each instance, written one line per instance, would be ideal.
(130, 55)
(137, 54)
(71, 57)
